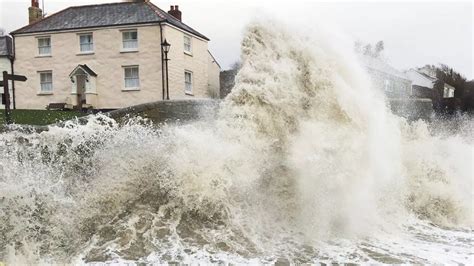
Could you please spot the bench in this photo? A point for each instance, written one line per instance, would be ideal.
(56, 106)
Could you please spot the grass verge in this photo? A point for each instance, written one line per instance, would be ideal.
(39, 117)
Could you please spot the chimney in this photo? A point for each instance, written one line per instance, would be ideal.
(174, 11)
(34, 12)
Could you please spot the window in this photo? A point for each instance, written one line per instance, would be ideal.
(132, 77)
(86, 42)
(188, 82)
(448, 93)
(130, 40)
(46, 82)
(44, 46)
(388, 85)
(188, 44)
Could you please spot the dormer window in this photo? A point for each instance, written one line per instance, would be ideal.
(130, 40)
(44, 46)
(86, 42)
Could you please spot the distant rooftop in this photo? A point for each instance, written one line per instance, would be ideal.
(420, 79)
(104, 15)
(426, 75)
(6, 46)
(381, 66)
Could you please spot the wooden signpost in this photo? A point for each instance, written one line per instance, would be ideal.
(6, 93)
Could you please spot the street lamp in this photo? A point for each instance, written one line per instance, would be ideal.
(166, 48)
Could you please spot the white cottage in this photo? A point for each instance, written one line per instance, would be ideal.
(386, 78)
(424, 83)
(110, 56)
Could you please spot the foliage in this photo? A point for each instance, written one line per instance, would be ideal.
(367, 49)
(236, 66)
(447, 75)
(39, 117)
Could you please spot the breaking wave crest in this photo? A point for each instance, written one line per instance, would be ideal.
(304, 163)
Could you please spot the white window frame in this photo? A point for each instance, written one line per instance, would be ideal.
(136, 86)
(44, 83)
(40, 47)
(188, 86)
(91, 44)
(448, 92)
(186, 45)
(388, 85)
(124, 41)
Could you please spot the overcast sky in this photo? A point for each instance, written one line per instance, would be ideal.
(415, 33)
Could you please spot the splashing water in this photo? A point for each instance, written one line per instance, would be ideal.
(305, 163)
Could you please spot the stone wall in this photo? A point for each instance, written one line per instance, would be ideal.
(169, 111)
(206, 109)
(412, 108)
(194, 109)
(173, 111)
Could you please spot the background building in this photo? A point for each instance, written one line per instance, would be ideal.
(425, 84)
(394, 83)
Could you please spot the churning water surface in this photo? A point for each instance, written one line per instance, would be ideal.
(304, 163)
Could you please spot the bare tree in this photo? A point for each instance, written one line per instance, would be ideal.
(379, 47)
(358, 47)
(368, 50)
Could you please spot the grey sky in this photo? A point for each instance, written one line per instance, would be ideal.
(415, 33)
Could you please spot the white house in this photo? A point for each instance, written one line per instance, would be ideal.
(392, 82)
(423, 84)
(109, 56)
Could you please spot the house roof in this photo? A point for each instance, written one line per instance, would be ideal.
(381, 66)
(420, 79)
(433, 79)
(214, 59)
(103, 15)
(6, 46)
(426, 75)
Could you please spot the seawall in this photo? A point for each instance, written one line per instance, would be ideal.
(197, 109)
(412, 108)
(169, 111)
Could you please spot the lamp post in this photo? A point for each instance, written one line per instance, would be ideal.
(166, 48)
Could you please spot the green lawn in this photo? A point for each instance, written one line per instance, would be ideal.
(39, 117)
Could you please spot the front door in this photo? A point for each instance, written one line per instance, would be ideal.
(81, 90)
